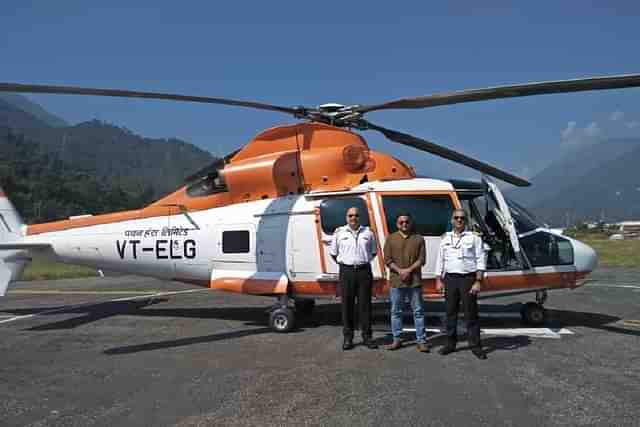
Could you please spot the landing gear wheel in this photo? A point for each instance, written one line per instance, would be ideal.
(304, 307)
(282, 319)
(533, 314)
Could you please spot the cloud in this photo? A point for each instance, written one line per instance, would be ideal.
(569, 131)
(616, 116)
(573, 135)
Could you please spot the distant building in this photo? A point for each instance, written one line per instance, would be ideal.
(629, 229)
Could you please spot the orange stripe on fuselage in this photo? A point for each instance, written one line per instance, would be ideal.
(381, 287)
(530, 281)
(250, 286)
(323, 263)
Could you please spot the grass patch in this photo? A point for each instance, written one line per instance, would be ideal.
(616, 253)
(44, 270)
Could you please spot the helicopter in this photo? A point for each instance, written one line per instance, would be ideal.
(259, 220)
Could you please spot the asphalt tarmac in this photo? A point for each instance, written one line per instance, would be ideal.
(107, 352)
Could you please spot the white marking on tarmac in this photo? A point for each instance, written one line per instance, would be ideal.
(503, 315)
(602, 285)
(512, 332)
(88, 304)
(56, 292)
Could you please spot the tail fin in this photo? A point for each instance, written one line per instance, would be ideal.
(11, 232)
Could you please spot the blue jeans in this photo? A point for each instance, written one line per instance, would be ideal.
(398, 296)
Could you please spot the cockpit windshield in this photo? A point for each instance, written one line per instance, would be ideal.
(524, 220)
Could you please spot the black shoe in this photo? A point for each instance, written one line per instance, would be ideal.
(347, 344)
(479, 353)
(369, 343)
(448, 349)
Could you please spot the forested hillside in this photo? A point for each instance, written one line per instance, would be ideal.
(51, 171)
(43, 187)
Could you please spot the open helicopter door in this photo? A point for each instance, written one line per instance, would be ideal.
(505, 219)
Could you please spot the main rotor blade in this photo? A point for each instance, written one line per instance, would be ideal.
(438, 150)
(510, 91)
(69, 90)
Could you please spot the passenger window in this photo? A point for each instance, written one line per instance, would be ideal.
(333, 212)
(235, 242)
(431, 214)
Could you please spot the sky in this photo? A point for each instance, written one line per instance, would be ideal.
(309, 53)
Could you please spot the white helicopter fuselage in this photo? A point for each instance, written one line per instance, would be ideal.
(280, 246)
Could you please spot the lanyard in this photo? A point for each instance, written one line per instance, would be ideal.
(357, 233)
(456, 245)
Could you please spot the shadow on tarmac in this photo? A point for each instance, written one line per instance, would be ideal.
(323, 315)
(184, 341)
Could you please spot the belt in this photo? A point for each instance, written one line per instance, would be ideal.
(356, 266)
(473, 273)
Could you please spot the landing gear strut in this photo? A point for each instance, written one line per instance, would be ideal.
(534, 313)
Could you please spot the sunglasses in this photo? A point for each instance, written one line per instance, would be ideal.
(353, 215)
(459, 218)
(404, 222)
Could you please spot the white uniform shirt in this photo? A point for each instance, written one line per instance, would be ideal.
(353, 247)
(460, 254)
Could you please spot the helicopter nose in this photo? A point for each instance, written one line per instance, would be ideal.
(585, 258)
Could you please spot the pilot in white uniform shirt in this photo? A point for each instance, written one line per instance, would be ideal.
(460, 265)
(353, 247)
(460, 254)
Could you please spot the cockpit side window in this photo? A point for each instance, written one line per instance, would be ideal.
(545, 249)
(524, 220)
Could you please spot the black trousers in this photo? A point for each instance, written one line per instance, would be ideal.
(356, 283)
(457, 287)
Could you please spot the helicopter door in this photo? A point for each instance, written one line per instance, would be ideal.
(506, 221)
(271, 243)
(431, 214)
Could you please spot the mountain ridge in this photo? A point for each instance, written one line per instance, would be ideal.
(36, 110)
(119, 159)
(582, 184)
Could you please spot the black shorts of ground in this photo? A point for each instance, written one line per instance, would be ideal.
(79, 353)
